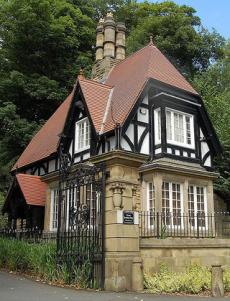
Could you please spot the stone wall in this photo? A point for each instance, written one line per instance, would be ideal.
(178, 253)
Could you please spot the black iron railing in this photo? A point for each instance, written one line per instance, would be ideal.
(32, 235)
(162, 225)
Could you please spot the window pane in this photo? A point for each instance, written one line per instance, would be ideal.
(176, 203)
(188, 129)
(178, 128)
(191, 206)
(165, 203)
(196, 206)
(151, 203)
(169, 125)
(159, 124)
(54, 209)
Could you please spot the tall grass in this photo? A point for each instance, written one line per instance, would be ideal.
(38, 259)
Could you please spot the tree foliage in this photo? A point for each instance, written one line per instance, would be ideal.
(214, 86)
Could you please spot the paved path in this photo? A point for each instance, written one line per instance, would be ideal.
(17, 288)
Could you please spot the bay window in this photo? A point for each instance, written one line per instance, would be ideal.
(179, 128)
(82, 135)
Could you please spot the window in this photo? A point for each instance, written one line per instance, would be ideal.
(171, 203)
(82, 138)
(197, 206)
(179, 128)
(157, 127)
(54, 210)
(151, 203)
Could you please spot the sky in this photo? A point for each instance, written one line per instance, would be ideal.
(213, 13)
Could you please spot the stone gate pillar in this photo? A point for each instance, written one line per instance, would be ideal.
(122, 203)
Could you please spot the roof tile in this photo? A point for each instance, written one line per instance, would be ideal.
(33, 189)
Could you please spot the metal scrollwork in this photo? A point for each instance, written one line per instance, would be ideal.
(80, 237)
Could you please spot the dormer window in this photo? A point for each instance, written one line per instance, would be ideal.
(82, 135)
(179, 128)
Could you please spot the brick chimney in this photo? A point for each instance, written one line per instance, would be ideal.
(110, 46)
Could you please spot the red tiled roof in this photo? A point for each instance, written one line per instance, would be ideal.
(130, 76)
(45, 142)
(96, 96)
(107, 103)
(33, 189)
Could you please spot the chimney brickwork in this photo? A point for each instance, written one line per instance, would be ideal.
(110, 47)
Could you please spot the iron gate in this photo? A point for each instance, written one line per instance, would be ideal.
(80, 237)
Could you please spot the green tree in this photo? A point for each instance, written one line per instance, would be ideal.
(214, 87)
(177, 32)
(44, 44)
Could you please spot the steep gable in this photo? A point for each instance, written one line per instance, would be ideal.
(130, 76)
(96, 96)
(108, 103)
(45, 142)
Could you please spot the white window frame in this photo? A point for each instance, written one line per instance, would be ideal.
(157, 126)
(172, 140)
(195, 205)
(153, 208)
(86, 143)
(172, 225)
(53, 205)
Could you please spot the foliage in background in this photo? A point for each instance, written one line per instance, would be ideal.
(194, 280)
(3, 219)
(43, 44)
(214, 87)
(39, 260)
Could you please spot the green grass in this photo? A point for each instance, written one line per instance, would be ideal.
(194, 280)
(39, 260)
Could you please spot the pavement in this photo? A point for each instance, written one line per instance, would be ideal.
(18, 288)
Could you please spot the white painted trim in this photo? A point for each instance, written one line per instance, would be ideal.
(156, 127)
(176, 97)
(106, 111)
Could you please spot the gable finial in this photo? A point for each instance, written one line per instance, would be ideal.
(151, 39)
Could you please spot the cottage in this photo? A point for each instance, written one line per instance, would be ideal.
(125, 160)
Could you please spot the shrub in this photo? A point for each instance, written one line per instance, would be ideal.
(194, 280)
(22, 256)
(38, 259)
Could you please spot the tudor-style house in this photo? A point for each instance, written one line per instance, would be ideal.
(149, 126)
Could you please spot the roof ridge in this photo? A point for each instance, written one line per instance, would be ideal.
(96, 83)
